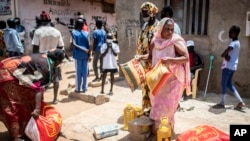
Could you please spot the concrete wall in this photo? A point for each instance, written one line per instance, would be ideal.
(129, 25)
(11, 12)
(222, 15)
(28, 9)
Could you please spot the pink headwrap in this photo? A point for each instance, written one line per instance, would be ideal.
(157, 35)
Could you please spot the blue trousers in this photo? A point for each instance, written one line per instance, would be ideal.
(226, 81)
(81, 74)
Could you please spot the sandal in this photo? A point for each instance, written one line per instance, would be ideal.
(55, 101)
(110, 93)
(240, 106)
(218, 106)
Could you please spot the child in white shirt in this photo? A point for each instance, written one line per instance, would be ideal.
(109, 51)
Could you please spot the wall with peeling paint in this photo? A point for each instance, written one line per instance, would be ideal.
(28, 9)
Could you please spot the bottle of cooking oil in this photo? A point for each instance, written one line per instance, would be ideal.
(129, 114)
(138, 111)
(164, 132)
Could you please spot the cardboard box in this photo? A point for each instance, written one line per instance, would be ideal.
(140, 125)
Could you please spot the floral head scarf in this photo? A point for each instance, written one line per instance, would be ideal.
(150, 7)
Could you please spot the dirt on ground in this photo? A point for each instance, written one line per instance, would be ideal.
(79, 117)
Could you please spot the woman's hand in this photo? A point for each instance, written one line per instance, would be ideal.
(35, 113)
(167, 61)
(141, 57)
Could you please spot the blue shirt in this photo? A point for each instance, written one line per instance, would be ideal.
(12, 40)
(20, 28)
(99, 36)
(81, 39)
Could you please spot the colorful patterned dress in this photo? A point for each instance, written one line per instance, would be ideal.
(144, 40)
(2, 46)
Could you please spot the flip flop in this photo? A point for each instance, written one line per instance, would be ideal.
(110, 93)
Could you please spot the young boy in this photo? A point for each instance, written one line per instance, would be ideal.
(229, 66)
(99, 38)
(109, 51)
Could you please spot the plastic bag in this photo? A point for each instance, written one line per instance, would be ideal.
(46, 127)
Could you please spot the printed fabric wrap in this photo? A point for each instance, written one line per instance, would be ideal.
(134, 73)
(46, 127)
(14, 67)
(157, 77)
(203, 133)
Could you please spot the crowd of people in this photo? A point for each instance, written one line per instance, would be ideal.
(27, 76)
(160, 40)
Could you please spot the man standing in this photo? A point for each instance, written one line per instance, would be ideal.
(99, 36)
(46, 38)
(11, 38)
(81, 54)
(20, 29)
(167, 11)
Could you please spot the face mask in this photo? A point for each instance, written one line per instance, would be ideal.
(109, 40)
(146, 19)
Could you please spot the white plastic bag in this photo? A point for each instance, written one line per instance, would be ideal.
(31, 130)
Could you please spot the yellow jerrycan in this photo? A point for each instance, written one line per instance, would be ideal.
(128, 115)
(138, 111)
(164, 131)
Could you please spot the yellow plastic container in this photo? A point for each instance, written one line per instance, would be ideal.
(138, 111)
(129, 114)
(164, 132)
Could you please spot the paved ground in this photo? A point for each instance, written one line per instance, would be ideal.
(80, 117)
